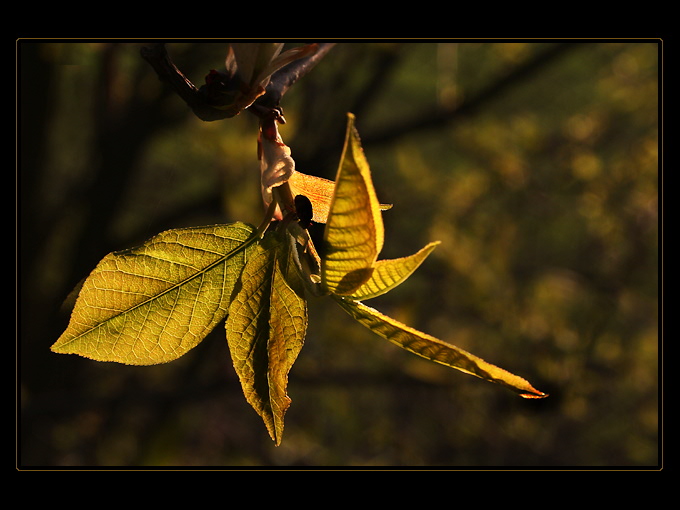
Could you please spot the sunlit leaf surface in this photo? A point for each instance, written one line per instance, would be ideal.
(320, 193)
(153, 303)
(387, 274)
(318, 190)
(354, 230)
(434, 349)
(266, 328)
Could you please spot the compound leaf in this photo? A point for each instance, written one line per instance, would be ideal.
(434, 349)
(266, 328)
(153, 303)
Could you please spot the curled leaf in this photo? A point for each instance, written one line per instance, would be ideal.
(354, 232)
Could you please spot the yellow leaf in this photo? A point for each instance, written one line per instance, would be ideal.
(266, 328)
(153, 303)
(354, 231)
(317, 189)
(320, 193)
(387, 274)
(434, 349)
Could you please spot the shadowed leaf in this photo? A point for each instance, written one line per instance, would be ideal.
(266, 328)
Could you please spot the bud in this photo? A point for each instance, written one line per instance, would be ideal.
(276, 163)
(248, 69)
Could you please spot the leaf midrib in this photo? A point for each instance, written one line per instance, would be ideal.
(199, 272)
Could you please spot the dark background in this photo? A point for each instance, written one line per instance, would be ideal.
(535, 164)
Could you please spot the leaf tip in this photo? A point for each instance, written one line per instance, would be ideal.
(537, 394)
(59, 347)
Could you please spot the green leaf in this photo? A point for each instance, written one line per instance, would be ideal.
(354, 232)
(266, 328)
(153, 303)
(387, 274)
(434, 349)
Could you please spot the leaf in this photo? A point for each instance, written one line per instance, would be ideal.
(266, 328)
(320, 193)
(434, 349)
(153, 303)
(354, 231)
(387, 274)
(317, 189)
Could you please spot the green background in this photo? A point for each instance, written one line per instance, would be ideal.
(540, 180)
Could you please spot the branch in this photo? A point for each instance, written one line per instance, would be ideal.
(440, 117)
(167, 72)
(280, 82)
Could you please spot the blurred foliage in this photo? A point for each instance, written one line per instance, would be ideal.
(544, 195)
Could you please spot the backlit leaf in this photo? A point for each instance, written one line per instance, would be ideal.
(153, 303)
(434, 349)
(354, 229)
(320, 193)
(317, 189)
(387, 274)
(266, 328)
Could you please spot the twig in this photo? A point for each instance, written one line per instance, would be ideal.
(167, 72)
(439, 117)
(280, 82)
